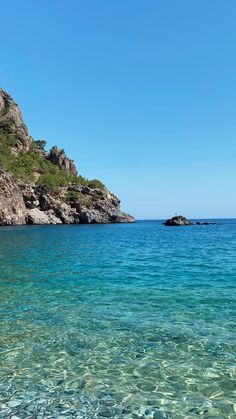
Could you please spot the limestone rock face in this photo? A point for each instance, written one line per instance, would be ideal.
(103, 207)
(178, 220)
(21, 204)
(86, 206)
(36, 216)
(11, 121)
(12, 207)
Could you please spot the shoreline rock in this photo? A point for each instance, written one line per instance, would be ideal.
(24, 204)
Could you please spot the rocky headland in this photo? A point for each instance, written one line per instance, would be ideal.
(43, 187)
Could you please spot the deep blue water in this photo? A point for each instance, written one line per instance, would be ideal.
(121, 321)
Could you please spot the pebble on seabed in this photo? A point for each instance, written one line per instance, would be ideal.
(106, 413)
(14, 403)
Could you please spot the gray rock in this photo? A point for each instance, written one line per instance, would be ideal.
(105, 412)
(53, 219)
(30, 198)
(11, 121)
(36, 216)
(12, 207)
(159, 415)
(204, 223)
(178, 220)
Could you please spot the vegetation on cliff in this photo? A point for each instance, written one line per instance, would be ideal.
(33, 165)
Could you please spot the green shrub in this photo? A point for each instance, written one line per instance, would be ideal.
(73, 196)
(40, 144)
(95, 184)
(24, 165)
(6, 158)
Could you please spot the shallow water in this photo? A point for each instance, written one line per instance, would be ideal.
(120, 321)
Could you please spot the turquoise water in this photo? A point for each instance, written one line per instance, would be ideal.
(119, 321)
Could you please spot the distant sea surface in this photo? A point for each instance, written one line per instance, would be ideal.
(118, 321)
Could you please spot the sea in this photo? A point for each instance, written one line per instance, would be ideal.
(118, 321)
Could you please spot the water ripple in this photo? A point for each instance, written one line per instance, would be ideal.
(120, 321)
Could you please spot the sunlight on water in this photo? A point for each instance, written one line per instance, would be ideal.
(119, 321)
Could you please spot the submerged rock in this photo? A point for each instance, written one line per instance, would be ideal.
(178, 220)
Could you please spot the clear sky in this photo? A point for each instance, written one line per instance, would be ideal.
(141, 94)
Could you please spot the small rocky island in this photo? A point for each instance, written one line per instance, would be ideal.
(177, 220)
(180, 220)
(40, 187)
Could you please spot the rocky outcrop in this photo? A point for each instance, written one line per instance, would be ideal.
(178, 220)
(75, 205)
(29, 202)
(58, 157)
(12, 123)
(36, 216)
(100, 206)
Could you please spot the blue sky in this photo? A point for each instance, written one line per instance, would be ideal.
(141, 94)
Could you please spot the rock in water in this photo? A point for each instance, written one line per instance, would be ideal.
(205, 223)
(40, 187)
(178, 220)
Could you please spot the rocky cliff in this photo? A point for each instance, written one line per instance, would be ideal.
(40, 187)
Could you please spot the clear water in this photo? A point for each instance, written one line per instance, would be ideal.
(120, 321)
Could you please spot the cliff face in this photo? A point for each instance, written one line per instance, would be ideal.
(12, 123)
(39, 187)
(12, 207)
